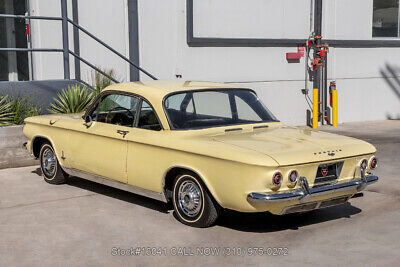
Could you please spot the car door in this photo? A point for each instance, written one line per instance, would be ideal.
(100, 147)
(144, 168)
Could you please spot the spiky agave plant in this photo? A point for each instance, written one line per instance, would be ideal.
(23, 107)
(73, 99)
(6, 114)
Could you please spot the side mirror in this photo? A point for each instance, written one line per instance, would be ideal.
(88, 120)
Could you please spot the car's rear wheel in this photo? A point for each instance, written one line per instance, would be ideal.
(192, 202)
(50, 167)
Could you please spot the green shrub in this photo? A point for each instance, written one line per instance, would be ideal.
(6, 114)
(99, 81)
(73, 99)
(22, 108)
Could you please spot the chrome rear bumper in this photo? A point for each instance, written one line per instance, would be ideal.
(305, 192)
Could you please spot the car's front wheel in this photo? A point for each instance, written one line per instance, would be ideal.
(50, 167)
(192, 202)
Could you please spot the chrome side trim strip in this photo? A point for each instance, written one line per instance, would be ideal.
(116, 184)
(305, 192)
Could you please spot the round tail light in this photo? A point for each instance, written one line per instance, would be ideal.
(374, 163)
(293, 175)
(277, 179)
(364, 164)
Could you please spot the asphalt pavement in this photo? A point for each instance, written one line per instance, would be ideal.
(87, 224)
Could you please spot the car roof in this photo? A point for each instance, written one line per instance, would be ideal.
(158, 89)
(155, 91)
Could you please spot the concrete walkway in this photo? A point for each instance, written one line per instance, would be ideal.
(80, 223)
(12, 153)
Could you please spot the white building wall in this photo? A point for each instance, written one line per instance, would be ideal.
(351, 20)
(105, 19)
(363, 93)
(108, 21)
(46, 34)
(160, 37)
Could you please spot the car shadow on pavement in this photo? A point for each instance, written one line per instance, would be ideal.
(37, 171)
(246, 222)
(266, 222)
(115, 193)
(118, 194)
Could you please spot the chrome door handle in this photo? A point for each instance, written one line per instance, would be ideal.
(123, 133)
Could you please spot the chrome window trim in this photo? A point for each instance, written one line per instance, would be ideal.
(92, 107)
(205, 90)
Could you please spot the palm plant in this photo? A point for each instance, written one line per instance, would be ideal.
(6, 114)
(73, 99)
(99, 81)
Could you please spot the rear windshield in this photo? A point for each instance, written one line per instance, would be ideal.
(215, 108)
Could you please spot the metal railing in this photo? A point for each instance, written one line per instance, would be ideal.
(65, 50)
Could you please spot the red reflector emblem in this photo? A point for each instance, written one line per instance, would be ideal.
(324, 171)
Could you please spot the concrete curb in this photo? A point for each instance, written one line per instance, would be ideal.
(12, 152)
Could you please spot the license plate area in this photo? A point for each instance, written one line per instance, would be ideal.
(328, 174)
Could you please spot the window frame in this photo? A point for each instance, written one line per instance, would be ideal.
(103, 97)
(205, 90)
(93, 106)
(386, 37)
(139, 110)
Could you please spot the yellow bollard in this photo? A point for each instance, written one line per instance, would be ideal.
(334, 108)
(315, 109)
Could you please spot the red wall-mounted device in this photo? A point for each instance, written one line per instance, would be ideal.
(296, 56)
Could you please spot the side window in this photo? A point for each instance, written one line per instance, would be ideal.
(245, 112)
(117, 109)
(147, 118)
(176, 102)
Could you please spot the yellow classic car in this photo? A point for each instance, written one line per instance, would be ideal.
(205, 147)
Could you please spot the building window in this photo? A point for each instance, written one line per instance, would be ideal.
(385, 18)
(14, 66)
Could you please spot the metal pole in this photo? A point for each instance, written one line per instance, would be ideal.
(322, 92)
(334, 108)
(315, 109)
(64, 15)
(133, 16)
(32, 49)
(29, 39)
(75, 18)
(9, 16)
(325, 95)
(317, 30)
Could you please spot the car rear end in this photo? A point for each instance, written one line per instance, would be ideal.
(305, 187)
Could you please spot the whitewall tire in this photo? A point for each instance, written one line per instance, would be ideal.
(50, 167)
(193, 204)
